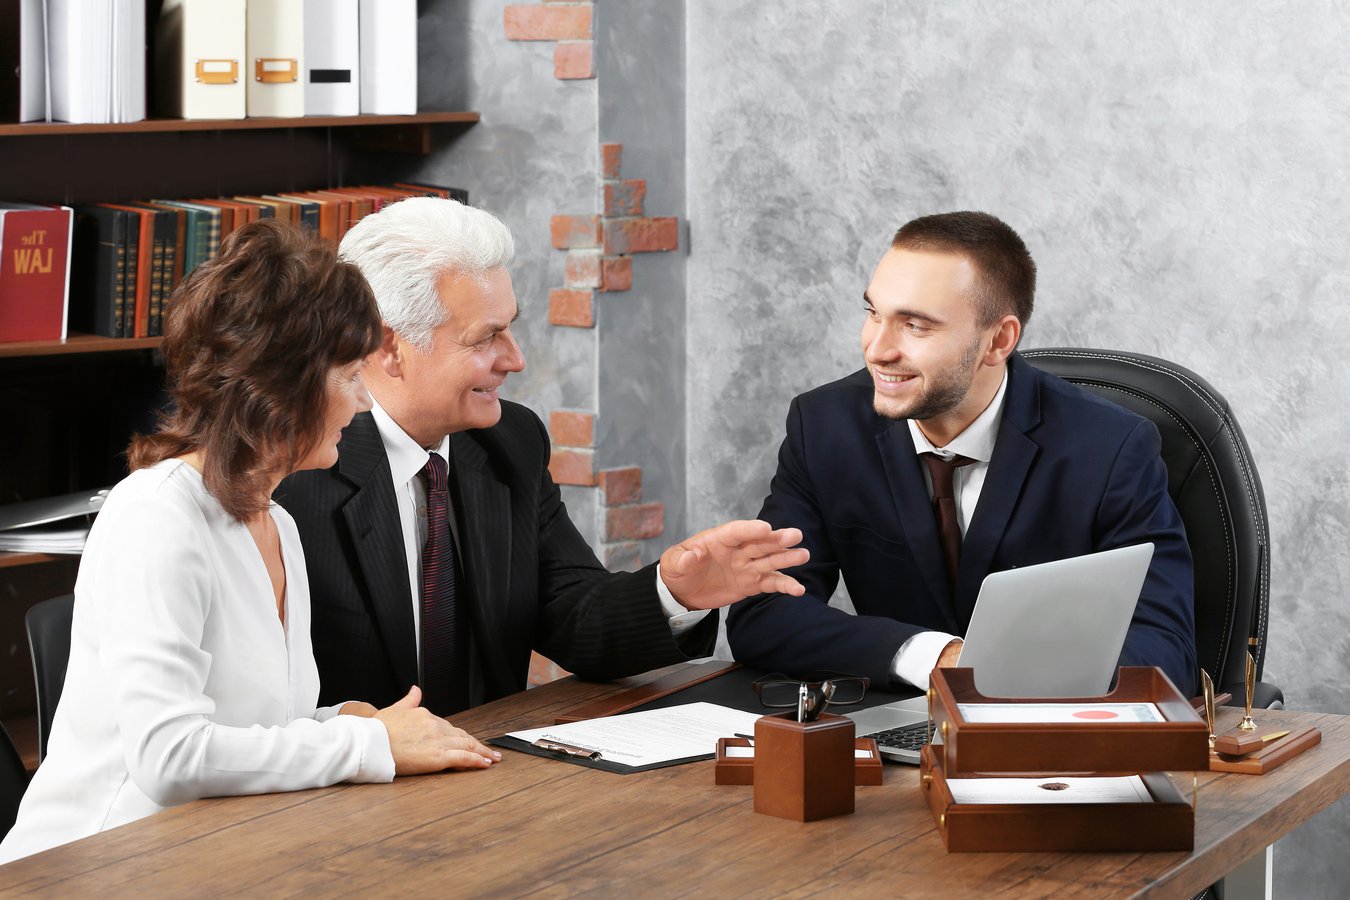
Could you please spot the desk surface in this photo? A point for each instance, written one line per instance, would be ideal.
(534, 824)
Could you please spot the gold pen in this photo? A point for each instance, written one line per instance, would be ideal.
(1208, 684)
(1247, 723)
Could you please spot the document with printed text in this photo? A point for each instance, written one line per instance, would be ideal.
(649, 738)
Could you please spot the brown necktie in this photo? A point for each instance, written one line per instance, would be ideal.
(944, 508)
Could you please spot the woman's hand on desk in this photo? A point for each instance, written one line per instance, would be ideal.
(423, 742)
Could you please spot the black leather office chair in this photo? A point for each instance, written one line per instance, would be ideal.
(48, 626)
(13, 782)
(1214, 484)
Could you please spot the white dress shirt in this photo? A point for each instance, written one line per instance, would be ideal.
(918, 655)
(406, 459)
(182, 681)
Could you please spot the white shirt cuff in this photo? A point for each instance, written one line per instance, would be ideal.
(681, 619)
(918, 655)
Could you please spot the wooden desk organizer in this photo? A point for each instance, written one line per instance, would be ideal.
(741, 769)
(1007, 749)
(804, 770)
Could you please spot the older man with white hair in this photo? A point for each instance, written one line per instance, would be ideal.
(439, 549)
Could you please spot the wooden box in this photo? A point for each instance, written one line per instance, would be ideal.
(804, 770)
(741, 769)
(1086, 748)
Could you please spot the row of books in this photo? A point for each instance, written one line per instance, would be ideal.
(126, 259)
(85, 61)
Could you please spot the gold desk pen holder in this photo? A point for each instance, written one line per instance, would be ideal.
(1247, 723)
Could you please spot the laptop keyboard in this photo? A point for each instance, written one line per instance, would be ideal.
(910, 737)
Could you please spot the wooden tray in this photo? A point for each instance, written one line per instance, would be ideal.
(1168, 823)
(1180, 742)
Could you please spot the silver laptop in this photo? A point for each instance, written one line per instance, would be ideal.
(1072, 612)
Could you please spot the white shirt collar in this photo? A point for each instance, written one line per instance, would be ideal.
(406, 456)
(977, 441)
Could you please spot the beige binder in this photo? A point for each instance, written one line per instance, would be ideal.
(275, 60)
(199, 54)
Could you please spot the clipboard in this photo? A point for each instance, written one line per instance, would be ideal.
(580, 757)
(636, 741)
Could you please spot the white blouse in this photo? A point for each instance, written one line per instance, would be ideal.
(182, 681)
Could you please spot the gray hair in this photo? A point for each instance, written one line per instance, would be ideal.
(406, 248)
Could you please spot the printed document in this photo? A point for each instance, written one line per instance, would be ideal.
(1114, 713)
(1050, 789)
(651, 737)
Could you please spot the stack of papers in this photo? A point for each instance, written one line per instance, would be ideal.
(45, 539)
(51, 525)
(82, 61)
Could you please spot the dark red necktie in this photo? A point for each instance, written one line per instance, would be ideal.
(944, 509)
(445, 670)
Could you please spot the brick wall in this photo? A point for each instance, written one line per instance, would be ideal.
(598, 246)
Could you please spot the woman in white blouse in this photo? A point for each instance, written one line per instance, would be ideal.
(191, 672)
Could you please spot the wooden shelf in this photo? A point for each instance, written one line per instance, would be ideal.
(78, 343)
(21, 129)
(8, 558)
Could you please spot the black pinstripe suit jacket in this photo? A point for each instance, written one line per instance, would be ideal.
(530, 580)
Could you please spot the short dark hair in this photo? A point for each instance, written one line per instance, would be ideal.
(1007, 271)
(250, 339)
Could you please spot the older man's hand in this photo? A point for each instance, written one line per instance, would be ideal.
(733, 561)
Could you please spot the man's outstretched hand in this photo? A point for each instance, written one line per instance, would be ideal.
(733, 561)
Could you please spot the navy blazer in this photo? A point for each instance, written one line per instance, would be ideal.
(1071, 474)
(530, 581)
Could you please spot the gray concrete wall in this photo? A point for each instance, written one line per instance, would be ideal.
(1179, 172)
(533, 155)
(639, 51)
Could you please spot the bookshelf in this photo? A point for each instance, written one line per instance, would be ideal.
(71, 406)
(419, 120)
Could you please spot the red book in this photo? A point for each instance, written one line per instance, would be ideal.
(34, 271)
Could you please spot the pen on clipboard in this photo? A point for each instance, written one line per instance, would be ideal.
(565, 749)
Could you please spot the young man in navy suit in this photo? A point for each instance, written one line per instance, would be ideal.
(1043, 471)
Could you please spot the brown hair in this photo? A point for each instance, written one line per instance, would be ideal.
(250, 338)
(1007, 271)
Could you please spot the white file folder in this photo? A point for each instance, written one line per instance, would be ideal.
(276, 57)
(199, 55)
(389, 57)
(35, 99)
(332, 58)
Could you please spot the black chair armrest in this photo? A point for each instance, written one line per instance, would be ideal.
(1264, 696)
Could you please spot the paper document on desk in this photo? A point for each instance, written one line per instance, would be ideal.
(649, 738)
(1113, 713)
(1049, 789)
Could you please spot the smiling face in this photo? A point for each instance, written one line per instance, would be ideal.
(929, 357)
(347, 396)
(454, 385)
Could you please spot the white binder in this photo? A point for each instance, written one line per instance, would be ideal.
(276, 57)
(199, 55)
(332, 58)
(389, 57)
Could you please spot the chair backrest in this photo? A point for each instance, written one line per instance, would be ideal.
(13, 782)
(1213, 482)
(48, 625)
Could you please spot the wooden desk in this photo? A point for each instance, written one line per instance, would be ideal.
(534, 824)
